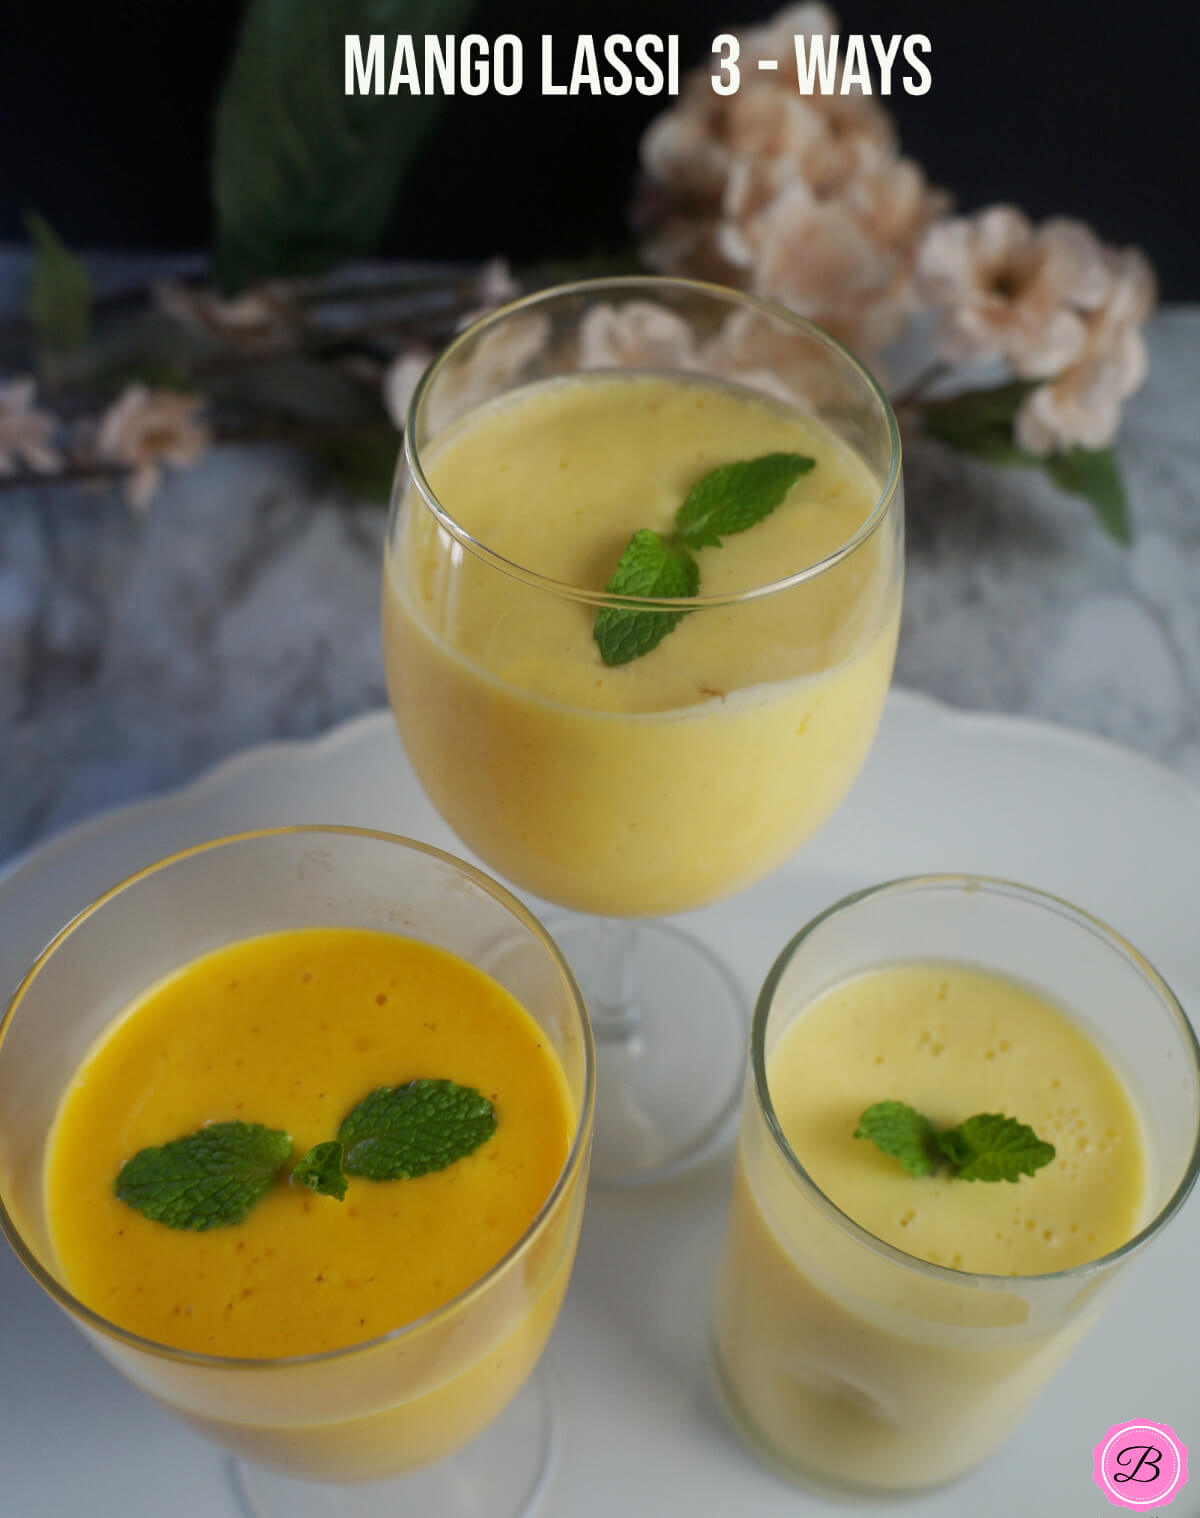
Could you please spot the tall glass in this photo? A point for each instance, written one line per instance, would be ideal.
(840, 1357)
(393, 1404)
(620, 801)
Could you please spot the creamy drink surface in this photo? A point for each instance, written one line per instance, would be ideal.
(847, 1362)
(293, 1029)
(677, 778)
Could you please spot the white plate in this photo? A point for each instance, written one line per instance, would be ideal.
(941, 791)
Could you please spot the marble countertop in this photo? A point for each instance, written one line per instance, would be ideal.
(133, 654)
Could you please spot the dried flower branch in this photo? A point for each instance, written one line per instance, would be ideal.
(26, 433)
(145, 429)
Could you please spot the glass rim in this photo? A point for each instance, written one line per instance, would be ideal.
(580, 1138)
(627, 284)
(1044, 900)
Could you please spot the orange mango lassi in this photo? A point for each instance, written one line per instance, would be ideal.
(292, 1030)
(845, 1361)
(675, 779)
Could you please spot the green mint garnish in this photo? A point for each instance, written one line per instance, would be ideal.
(902, 1133)
(321, 1170)
(210, 1179)
(400, 1132)
(737, 496)
(986, 1147)
(990, 1147)
(726, 500)
(650, 566)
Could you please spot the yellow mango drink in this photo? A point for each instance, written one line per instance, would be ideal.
(293, 1030)
(676, 778)
(316, 1189)
(881, 1324)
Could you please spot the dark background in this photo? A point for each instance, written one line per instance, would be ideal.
(1063, 107)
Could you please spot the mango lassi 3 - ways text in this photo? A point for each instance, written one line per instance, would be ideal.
(618, 64)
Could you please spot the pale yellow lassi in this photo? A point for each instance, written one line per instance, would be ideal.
(844, 1361)
(680, 777)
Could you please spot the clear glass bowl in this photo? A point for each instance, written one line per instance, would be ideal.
(395, 1403)
(844, 1360)
(619, 793)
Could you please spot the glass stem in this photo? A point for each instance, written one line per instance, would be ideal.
(609, 990)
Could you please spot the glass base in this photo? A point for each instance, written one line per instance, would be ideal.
(670, 1045)
(505, 1472)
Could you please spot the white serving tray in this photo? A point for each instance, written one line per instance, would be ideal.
(642, 1433)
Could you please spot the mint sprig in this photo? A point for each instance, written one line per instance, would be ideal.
(737, 496)
(213, 1177)
(322, 1170)
(986, 1147)
(401, 1132)
(903, 1134)
(209, 1179)
(727, 500)
(650, 566)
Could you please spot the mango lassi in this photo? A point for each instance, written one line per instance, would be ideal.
(685, 774)
(292, 1030)
(843, 1361)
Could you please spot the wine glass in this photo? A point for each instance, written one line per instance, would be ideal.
(442, 1405)
(633, 791)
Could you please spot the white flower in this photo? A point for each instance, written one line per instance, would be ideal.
(1082, 407)
(263, 319)
(1008, 290)
(638, 335)
(400, 380)
(144, 429)
(491, 287)
(25, 433)
(801, 198)
(485, 367)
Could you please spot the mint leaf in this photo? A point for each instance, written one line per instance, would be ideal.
(209, 1179)
(987, 1147)
(650, 566)
(60, 288)
(996, 1148)
(736, 496)
(902, 1133)
(953, 1146)
(321, 1170)
(400, 1132)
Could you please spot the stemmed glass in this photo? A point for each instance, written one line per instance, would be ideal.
(442, 1404)
(624, 803)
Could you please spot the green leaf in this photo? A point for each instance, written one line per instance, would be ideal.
(996, 1148)
(736, 496)
(902, 1133)
(321, 1170)
(650, 566)
(209, 1179)
(304, 175)
(1094, 474)
(982, 423)
(401, 1132)
(60, 289)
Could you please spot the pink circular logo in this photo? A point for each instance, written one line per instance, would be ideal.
(1140, 1465)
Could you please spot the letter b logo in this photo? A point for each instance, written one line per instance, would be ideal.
(1140, 1465)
